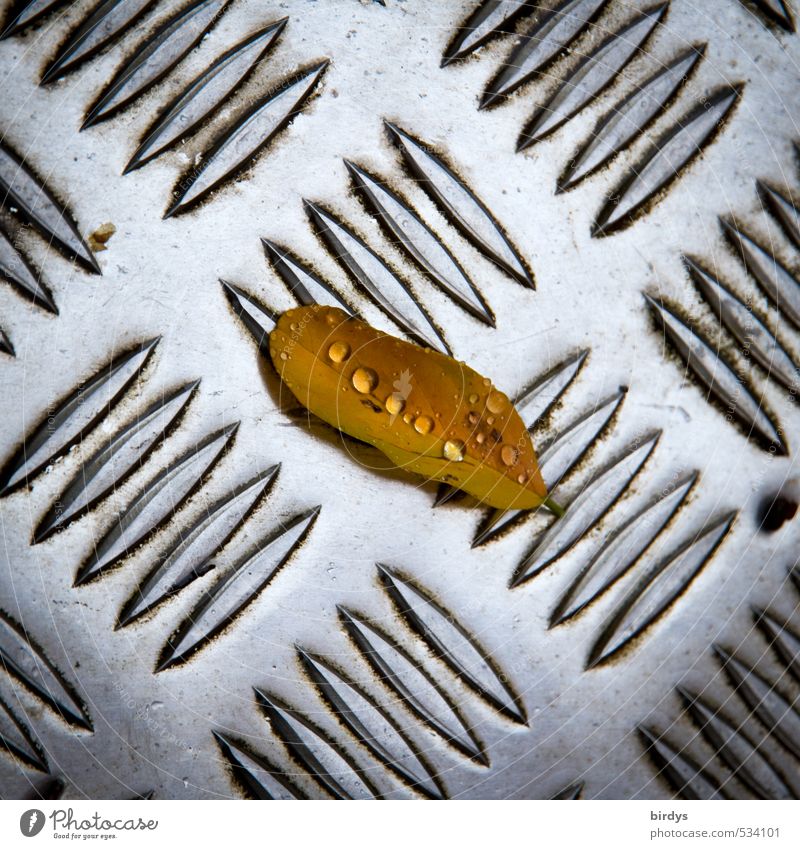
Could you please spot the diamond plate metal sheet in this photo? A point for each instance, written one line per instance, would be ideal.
(206, 593)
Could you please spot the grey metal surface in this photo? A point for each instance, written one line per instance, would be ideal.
(192, 623)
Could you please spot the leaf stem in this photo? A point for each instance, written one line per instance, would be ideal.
(554, 507)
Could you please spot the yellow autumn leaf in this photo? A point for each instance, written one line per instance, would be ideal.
(427, 412)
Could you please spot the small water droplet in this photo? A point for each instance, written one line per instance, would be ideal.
(284, 356)
(408, 418)
(509, 455)
(294, 326)
(486, 381)
(521, 479)
(339, 352)
(395, 404)
(473, 399)
(454, 450)
(490, 420)
(480, 438)
(423, 425)
(496, 402)
(473, 417)
(365, 380)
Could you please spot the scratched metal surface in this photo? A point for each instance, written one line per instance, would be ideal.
(480, 671)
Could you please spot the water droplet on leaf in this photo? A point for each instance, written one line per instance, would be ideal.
(509, 455)
(496, 402)
(454, 450)
(395, 404)
(423, 425)
(365, 380)
(339, 352)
